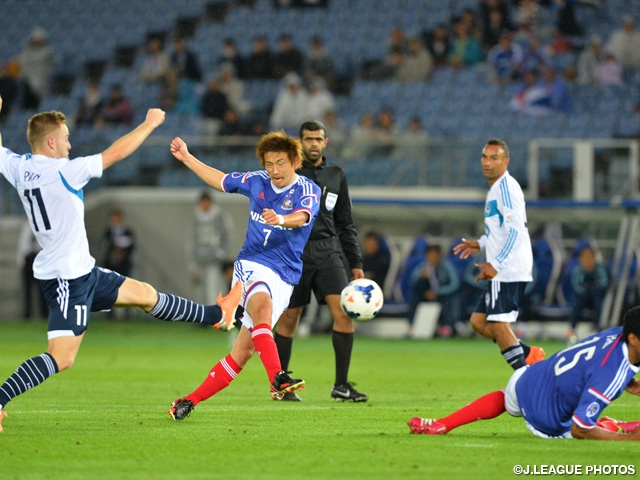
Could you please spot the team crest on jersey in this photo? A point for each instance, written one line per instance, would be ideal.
(593, 409)
(487, 210)
(236, 175)
(287, 204)
(292, 191)
(509, 218)
(307, 202)
(330, 201)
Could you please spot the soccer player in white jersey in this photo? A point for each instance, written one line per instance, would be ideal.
(509, 258)
(50, 187)
(565, 395)
(283, 206)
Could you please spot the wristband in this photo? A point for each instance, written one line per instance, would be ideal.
(280, 219)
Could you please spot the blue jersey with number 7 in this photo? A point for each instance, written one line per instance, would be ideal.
(575, 384)
(277, 247)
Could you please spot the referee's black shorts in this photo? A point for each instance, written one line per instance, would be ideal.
(324, 272)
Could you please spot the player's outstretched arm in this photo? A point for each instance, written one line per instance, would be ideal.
(207, 174)
(597, 433)
(129, 143)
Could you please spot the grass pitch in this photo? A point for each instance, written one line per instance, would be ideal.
(106, 417)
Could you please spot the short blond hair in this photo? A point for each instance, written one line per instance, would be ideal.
(280, 142)
(41, 125)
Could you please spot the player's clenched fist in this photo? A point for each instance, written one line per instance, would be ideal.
(155, 117)
(179, 149)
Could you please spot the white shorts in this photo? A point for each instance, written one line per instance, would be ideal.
(513, 406)
(255, 278)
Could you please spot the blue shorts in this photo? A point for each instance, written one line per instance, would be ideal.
(500, 301)
(71, 301)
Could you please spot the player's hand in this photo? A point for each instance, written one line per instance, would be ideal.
(179, 149)
(155, 117)
(357, 273)
(487, 272)
(466, 248)
(270, 216)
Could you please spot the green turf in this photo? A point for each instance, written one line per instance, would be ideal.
(106, 416)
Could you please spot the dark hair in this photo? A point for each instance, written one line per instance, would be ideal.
(312, 126)
(500, 143)
(280, 142)
(631, 324)
(204, 196)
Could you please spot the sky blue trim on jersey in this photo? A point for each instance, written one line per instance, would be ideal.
(618, 382)
(504, 193)
(79, 193)
(508, 246)
(491, 209)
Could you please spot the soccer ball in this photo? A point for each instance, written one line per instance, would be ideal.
(361, 299)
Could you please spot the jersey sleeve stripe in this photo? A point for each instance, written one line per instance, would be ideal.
(581, 424)
(504, 192)
(508, 246)
(224, 189)
(618, 382)
(599, 395)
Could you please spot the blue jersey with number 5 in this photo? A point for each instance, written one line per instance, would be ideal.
(51, 193)
(274, 246)
(576, 384)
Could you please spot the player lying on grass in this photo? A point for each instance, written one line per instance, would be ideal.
(283, 206)
(50, 187)
(564, 395)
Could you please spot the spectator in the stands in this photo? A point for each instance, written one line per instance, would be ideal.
(397, 41)
(36, 69)
(213, 105)
(608, 71)
(412, 143)
(558, 90)
(625, 43)
(337, 133)
(288, 58)
(9, 73)
(416, 65)
(376, 258)
(290, 106)
(90, 104)
(527, 16)
(386, 132)
(464, 50)
(566, 22)
(362, 139)
(259, 65)
(437, 42)
(590, 281)
(504, 59)
(492, 32)
(155, 63)
(229, 54)
(588, 59)
(489, 6)
(184, 61)
(233, 88)
(435, 280)
(319, 99)
(470, 19)
(117, 110)
(318, 61)
(531, 96)
(535, 55)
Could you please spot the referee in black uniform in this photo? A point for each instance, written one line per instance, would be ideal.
(332, 245)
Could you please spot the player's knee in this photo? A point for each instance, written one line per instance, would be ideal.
(64, 361)
(148, 296)
(478, 323)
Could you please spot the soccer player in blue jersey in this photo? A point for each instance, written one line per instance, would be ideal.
(509, 258)
(50, 187)
(283, 206)
(565, 395)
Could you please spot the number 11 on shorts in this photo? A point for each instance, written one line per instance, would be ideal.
(81, 315)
